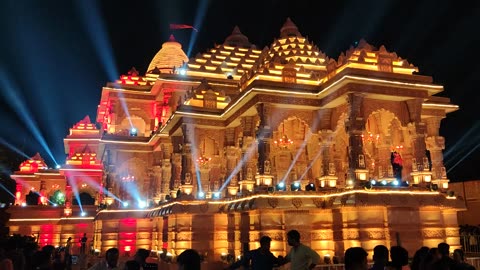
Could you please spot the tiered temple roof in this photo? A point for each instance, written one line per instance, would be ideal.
(365, 56)
(228, 60)
(33, 164)
(291, 58)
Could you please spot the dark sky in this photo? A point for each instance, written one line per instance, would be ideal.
(56, 55)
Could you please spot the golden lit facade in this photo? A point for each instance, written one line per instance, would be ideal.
(222, 148)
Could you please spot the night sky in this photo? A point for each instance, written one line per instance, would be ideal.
(55, 56)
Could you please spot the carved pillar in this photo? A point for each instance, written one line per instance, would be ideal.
(435, 146)
(328, 176)
(68, 200)
(166, 176)
(232, 155)
(263, 135)
(422, 174)
(157, 183)
(354, 125)
(176, 173)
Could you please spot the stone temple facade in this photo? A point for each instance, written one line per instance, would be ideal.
(237, 142)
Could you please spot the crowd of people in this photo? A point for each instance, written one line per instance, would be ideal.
(424, 259)
(300, 257)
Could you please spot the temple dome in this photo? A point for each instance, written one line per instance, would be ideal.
(289, 29)
(237, 39)
(170, 55)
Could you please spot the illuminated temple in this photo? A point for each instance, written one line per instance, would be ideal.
(238, 142)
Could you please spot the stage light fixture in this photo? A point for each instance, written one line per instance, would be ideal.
(125, 204)
(295, 186)
(142, 204)
(280, 186)
(395, 182)
(133, 132)
(83, 214)
(58, 167)
(310, 187)
(373, 182)
(384, 182)
(216, 195)
(201, 195)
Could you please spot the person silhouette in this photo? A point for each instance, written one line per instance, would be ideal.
(83, 242)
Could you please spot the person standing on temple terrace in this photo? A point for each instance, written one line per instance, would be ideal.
(110, 262)
(300, 256)
(258, 259)
(189, 260)
(459, 258)
(83, 242)
(356, 259)
(380, 257)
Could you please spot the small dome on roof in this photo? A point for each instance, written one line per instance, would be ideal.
(289, 29)
(237, 39)
(170, 55)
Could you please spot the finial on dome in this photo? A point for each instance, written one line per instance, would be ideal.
(289, 29)
(172, 38)
(236, 30)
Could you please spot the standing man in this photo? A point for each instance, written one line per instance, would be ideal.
(300, 256)
(356, 259)
(83, 241)
(258, 259)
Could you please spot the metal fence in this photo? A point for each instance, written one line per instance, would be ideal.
(470, 244)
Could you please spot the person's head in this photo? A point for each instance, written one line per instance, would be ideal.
(189, 260)
(458, 255)
(399, 256)
(141, 255)
(444, 249)
(419, 257)
(356, 259)
(293, 238)
(380, 254)
(434, 254)
(265, 243)
(112, 257)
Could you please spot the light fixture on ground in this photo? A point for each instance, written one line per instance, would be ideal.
(295, 186)
(216, 195)
(125, 204)
(83, 214)
(310, 187)
(201, 195)
(133, 132)
(281, 186)
(142, 204)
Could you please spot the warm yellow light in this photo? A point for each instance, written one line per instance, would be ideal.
(445, 185)
(415, 179)
(362, 176)
(332, 183)
(427, 178)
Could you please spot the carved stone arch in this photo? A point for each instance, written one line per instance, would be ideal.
(125, 123)
(285, 115)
